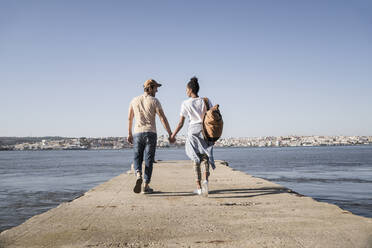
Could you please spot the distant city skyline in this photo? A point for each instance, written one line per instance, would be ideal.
(277, 68)
(83, 143)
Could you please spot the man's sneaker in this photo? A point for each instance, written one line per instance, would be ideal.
(137, 187)
(147, 190)
(198, 191)
(205, 188)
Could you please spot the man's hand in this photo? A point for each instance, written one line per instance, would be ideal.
(130, 139)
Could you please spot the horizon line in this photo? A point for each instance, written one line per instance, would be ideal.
(73, 137)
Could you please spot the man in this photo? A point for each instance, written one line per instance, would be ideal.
(144, 109)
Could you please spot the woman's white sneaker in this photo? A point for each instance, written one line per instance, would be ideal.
(198, 191)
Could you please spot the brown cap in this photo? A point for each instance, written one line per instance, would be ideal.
(151, 82)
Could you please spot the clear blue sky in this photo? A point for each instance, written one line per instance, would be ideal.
(70, 68)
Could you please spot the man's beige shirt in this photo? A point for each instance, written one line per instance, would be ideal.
(145, 108)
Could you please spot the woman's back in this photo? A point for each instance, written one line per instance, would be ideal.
(194, 109)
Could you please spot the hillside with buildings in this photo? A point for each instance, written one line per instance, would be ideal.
(83, 143)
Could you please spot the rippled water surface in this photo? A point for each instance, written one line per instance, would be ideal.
(31, 182)
(341, 175)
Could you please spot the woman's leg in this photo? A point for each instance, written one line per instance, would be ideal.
(205, 164)
(197, 173)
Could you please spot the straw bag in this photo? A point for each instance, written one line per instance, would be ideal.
(212, 122)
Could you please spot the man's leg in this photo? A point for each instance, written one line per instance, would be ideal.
(138, 159)
(151, 140)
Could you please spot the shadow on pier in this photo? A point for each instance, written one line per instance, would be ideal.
(232, 193)
(249, 193)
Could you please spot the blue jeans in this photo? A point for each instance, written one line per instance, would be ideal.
(144, 143)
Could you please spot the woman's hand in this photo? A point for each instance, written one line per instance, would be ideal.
(172, 138)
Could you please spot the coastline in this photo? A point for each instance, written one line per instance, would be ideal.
(182, 147)
(242, 211)
(83, 143)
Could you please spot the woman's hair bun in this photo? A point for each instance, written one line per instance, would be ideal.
(194, 85)
(194, 79)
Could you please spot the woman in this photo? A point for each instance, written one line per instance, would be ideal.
(197, 149)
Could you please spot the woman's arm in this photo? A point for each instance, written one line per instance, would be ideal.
(178, 128)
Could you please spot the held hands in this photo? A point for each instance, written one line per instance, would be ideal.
(172, 138)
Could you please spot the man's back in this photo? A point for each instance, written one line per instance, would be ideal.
(145, 108)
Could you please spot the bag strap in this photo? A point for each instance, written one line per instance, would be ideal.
(205, 135)
(206, 102)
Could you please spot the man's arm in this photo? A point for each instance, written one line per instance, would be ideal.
(164, 121)
(130, 124)
(178, 128)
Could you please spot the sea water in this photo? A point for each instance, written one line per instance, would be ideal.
(32, 182)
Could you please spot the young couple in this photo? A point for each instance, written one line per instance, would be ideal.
(144, 108)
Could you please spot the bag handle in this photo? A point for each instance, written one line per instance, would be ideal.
(205, 135)
(206, 102)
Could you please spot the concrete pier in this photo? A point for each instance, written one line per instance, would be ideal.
(241, 211)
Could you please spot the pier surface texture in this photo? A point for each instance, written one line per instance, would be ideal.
(241, 211)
